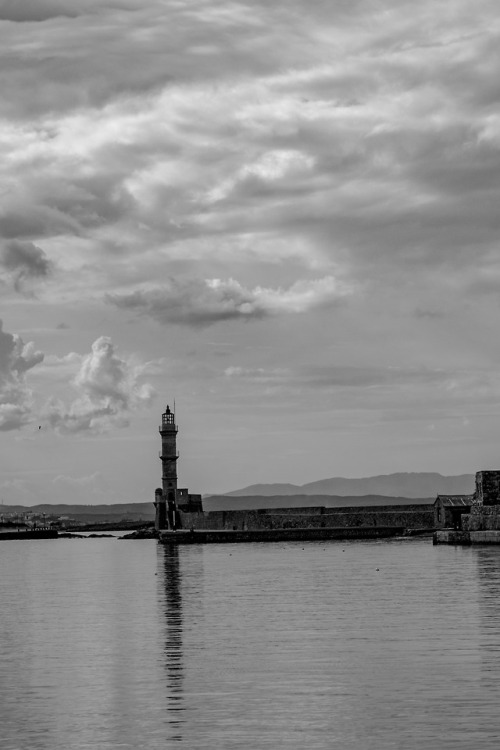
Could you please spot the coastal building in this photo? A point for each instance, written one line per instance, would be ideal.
(449, 509)
(170, 500)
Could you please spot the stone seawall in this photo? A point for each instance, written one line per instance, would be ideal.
(220, 536)
(400, 516)
(449, 536)
(484, 537)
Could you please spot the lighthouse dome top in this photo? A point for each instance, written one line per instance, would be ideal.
(167, 419)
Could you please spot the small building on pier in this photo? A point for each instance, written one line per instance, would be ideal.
(449, 509)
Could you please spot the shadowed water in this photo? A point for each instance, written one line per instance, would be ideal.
(127, 644)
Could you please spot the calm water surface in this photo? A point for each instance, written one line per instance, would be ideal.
(367, 645)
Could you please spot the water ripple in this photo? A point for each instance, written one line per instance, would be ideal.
(372, 645)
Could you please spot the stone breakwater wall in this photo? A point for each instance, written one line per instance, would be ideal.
(405, 516)
(219, 536)
(484, 537)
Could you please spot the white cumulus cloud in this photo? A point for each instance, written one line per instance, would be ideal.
(108, 390)
(16, 358)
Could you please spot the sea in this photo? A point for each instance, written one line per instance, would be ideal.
(109, 643)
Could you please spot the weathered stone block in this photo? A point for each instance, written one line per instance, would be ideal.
(449, 536)
(468, 522)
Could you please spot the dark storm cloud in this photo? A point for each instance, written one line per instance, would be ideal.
(24, 261)
(201, 303)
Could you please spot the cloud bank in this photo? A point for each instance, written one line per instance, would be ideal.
(329, 137)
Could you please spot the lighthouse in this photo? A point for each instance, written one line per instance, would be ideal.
(169, 457)
(169, 499)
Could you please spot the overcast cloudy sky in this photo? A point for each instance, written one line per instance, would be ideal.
(285, 215)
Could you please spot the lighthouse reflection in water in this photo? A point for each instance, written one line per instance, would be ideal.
(173, 637)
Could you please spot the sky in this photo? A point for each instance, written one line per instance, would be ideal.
(284, 216)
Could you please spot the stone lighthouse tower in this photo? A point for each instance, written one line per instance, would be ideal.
(171, 502)
(166, 503)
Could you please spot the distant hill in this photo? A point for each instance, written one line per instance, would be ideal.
(253, 502)
(410, 485)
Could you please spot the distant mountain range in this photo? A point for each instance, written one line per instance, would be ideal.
(410, 485)
(386, 489)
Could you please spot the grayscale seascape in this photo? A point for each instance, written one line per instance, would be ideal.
(249, 315)
(113, 644)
